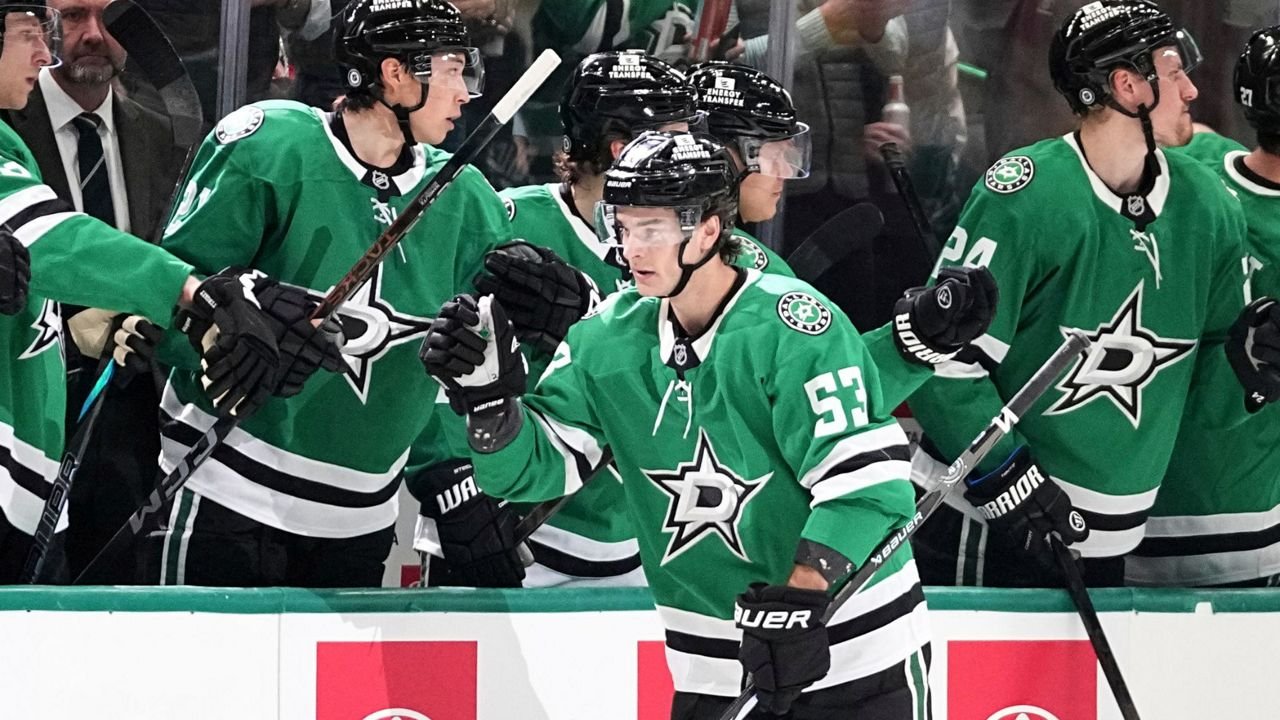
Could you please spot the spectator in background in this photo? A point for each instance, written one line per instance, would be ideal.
(115, 160)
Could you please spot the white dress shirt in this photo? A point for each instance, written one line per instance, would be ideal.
(62, 110)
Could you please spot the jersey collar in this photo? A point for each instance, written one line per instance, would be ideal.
(1244, 181)
(585, 233)
(1155, 199)
(700, 345)
(405, 181)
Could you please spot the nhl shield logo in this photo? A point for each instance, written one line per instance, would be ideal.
(1011, 174)
(1022, 712)
(804, 312)
(1136, 205)
(380, 180)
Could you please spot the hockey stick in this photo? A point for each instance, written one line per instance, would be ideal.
(470, 149)
(1000, 426)
(1093, 627)
(711, 25)
(834, 240)
(543, 511)
(897, 165)
(151, 51)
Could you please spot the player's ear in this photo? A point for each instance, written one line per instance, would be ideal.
(615, 148)
(393, 75)
(708, 232)
(1126, 87)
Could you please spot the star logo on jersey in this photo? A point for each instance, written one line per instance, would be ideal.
(48, 327)
(372, 326)
(759, 260)
(1123, 359)
(1010, 174)
(706, 499)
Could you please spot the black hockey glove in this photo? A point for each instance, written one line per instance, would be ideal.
(784, 641)
(239, 358)
(471, 349)
(1021, 501)
(476, 531)
(304, 347)
(932, 324)
(133, 346)
(15, 274)
(1253, 350)
(543, 294)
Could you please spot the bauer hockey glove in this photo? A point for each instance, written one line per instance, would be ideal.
(15, 274)
(784, 641)
(542, 294)
(471, 349)
(473, 533)
(239, 358)
(304, 347)
(1253, 350)
(1020, 501)
(931, 324)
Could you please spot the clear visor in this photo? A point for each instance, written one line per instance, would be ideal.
(1189, 49)
(459, 69)
(33, 29)
(695, 124)
(635, 225)
(785, 158)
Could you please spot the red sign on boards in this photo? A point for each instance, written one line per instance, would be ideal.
(1022, 680)
(389, 680)
(653, 682)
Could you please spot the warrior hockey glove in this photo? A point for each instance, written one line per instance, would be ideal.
(930, 325)
(1253, 350)
(304, 348)
(15, 274)
(474, 532)
(542, 294)
(784, 641)
(471, 349)
(1022, 502)
(130, 340)
(238, 353)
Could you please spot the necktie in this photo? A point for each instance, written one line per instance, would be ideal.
(95, 185)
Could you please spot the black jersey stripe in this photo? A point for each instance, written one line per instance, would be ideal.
(23, 476)
(1108, 522)
(36, 210)
(572, 565)
(864, 460)
(1208, 544)
(718, 648)
(273, 479)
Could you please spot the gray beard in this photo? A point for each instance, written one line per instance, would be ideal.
(83, 75)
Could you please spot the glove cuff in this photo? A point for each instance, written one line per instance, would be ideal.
(910, 343)
(493, 425)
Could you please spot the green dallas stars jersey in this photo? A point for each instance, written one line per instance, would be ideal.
(273, 188)
(1157, 304)
(74, 259)
(1216, 518)
(775, 429)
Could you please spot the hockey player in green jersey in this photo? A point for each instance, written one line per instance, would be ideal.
(758, 460)
(1101, 232)
(1215, 519)
(305, 493)
(66, 256)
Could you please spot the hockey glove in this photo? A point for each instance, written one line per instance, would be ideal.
(1021, 501)
(932, 324)
(304, 348)
(784, 641)
(15, 274)
(474, 532)
(239, 358)
(471, 349)
(543, 294)
(130, 340)
(1253, 350)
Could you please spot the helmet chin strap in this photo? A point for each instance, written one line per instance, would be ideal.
(687, 271)
(1151, 167)
(402, 113)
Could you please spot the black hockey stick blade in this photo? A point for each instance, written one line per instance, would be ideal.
(1093, 628)
(169, 485)
(539, 514)
(140, 36)
(897, 164)
(1000, 426)
(852, 227)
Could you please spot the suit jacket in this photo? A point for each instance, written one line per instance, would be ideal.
(149, 158)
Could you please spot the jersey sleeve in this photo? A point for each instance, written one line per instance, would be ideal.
(560, 443)
(961, 398)
(833, 426)
(899, 379)
(81, 260)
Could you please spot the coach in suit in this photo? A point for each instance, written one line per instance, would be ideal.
(113, 159)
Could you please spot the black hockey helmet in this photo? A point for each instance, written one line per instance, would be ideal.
(1108, 35)
(752, 112)
(693, 175)
(48, 23)
(624, 90)
(1257, 80)
(370, 31)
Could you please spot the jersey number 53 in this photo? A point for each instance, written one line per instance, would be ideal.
(828, 402)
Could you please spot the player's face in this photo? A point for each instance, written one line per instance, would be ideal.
(89, 54)
(447, 92)
(758, 197)
(1171, 119)
(25, 52)
(651, 240)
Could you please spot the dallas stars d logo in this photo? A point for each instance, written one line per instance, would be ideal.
(707, 498)
(1124, 358)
